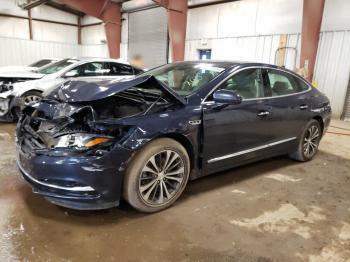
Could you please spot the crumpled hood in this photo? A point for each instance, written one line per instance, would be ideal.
(87, 90)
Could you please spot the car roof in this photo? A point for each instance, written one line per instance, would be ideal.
(91, 59)
(231, 64)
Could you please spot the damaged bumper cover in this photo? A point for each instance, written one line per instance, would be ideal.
(76, 182)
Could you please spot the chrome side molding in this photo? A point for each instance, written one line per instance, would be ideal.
(250, 150)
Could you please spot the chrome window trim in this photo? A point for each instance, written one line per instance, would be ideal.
(213, 160)
(75, 189)
(260, 98)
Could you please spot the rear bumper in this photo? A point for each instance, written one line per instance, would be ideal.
(76, 182)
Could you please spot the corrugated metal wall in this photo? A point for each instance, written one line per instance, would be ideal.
(333, 67)
(23, 52)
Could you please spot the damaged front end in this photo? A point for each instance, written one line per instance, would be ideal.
(72, 148)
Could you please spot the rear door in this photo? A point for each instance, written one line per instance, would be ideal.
(237, 133)
(120, 71)
(289, 103)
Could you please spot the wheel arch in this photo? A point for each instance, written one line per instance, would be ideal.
(31, 90)
(319, 119)
(185, 142)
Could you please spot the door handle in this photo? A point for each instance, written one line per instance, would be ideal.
(303, 107)
(264, 113)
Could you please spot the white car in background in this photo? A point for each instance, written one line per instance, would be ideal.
(20, 94)
(32, 67)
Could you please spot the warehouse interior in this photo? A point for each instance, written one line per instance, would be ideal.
(273, 210)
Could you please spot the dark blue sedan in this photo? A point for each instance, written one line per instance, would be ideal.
(90, 143)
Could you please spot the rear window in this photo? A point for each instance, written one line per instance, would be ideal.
(41, 63)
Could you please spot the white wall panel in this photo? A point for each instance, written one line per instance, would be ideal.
(333, 67)
(203, 22)
(55, 32)
(94, 50)
(93, 35)
(237, 19)
(49, 13)
(14, 27)
(10, 7)
(336, 15)
(279, 16)
(245, 18)
(23, 52)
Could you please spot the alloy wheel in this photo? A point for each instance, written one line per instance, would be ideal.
(311, 141)
(161, 177)
(31, 99)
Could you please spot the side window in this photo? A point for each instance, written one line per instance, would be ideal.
(302, 85)
(282, 83)
(247, 83)
(94, 69)
(88, 69)
(120, 69)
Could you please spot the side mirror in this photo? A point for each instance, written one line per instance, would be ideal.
(72, 73)
(227, 97)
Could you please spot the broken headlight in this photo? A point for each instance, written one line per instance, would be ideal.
(5, 86)
(82, 141)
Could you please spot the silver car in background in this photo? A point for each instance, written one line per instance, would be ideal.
(13, 98)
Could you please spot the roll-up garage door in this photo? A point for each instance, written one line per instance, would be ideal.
(346, 113)
(148, 36)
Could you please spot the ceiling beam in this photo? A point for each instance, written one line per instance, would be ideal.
(65, 8)
(33, 4)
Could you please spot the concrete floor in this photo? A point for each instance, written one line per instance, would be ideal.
(276, 210)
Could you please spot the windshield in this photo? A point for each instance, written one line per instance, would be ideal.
(185, 79)
(57, 66)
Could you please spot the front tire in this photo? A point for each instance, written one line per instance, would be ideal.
(31, 97)
(156, 176)
(308, 142)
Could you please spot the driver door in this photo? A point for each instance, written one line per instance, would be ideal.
(233, 132)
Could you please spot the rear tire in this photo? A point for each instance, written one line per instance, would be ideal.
(308, 142)
(156, 176)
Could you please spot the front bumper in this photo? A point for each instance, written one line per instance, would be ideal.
(7, 104)
(83, 183)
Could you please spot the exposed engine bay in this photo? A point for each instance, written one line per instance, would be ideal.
(44, 125)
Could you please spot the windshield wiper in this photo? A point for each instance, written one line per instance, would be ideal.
(153, 104)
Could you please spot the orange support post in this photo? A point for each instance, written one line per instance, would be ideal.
(177, 24)
(110, 13)
(312, 19)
